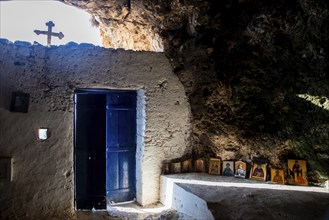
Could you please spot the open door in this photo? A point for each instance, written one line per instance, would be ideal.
(121, 146)
(105, 146)
(90, 145)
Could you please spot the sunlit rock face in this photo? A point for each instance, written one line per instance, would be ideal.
(146, 24)
(126, 25)
(244, 65)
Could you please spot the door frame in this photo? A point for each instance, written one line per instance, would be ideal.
(140, 128)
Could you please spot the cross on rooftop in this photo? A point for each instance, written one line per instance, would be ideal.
(50, 25)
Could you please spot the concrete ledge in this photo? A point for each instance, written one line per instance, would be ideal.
(204, 196)
(174, 196)
(213, 180)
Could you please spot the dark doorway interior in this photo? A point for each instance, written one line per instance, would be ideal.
(105, 146)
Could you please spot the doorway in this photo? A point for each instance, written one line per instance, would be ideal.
(104, 147)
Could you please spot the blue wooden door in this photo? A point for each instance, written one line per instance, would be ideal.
(105, 146)
(120, 146)
(89, 151)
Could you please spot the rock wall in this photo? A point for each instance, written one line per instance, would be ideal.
(123, 24)
(43, 181)
(255, 72)
(257, 84)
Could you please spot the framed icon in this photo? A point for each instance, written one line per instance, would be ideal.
(258, 171)
(214, 166)
(240, 169)
(187, 166)
(200, 166)
(277, 176)
(166, 167)
(20, 102)
(176, 167)
(297, 172)
(228, 168)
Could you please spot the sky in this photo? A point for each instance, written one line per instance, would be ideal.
(18, 20)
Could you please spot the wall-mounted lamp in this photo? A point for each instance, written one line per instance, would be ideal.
(43, 134)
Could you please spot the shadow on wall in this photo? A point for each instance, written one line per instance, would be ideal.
(6, 95)
(265, 58)
(278, 98)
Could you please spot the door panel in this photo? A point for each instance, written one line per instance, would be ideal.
(121, 127)
(121, 146)
(90, 145)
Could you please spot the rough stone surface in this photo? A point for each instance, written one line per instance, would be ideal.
(255, 72)
(123, 24)
(43, 171)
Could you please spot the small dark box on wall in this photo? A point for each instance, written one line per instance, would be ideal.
(5, 169)
(20, 102)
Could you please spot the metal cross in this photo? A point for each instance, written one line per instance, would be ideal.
(50, 25)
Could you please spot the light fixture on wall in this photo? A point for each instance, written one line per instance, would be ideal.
(43, 134)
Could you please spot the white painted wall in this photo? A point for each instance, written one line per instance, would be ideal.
(43, 171)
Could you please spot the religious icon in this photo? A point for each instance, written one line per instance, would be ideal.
(176, 167)
(166, 168)
(277, 176)
(240, 169)
(228, 168)
(297, 172)
(214, 166)
(258, 171)
(200, 166)
(186, 166)
(19, 102)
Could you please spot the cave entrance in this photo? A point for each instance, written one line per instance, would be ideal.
(105, 147)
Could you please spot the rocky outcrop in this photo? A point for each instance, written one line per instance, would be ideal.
(246, 66)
